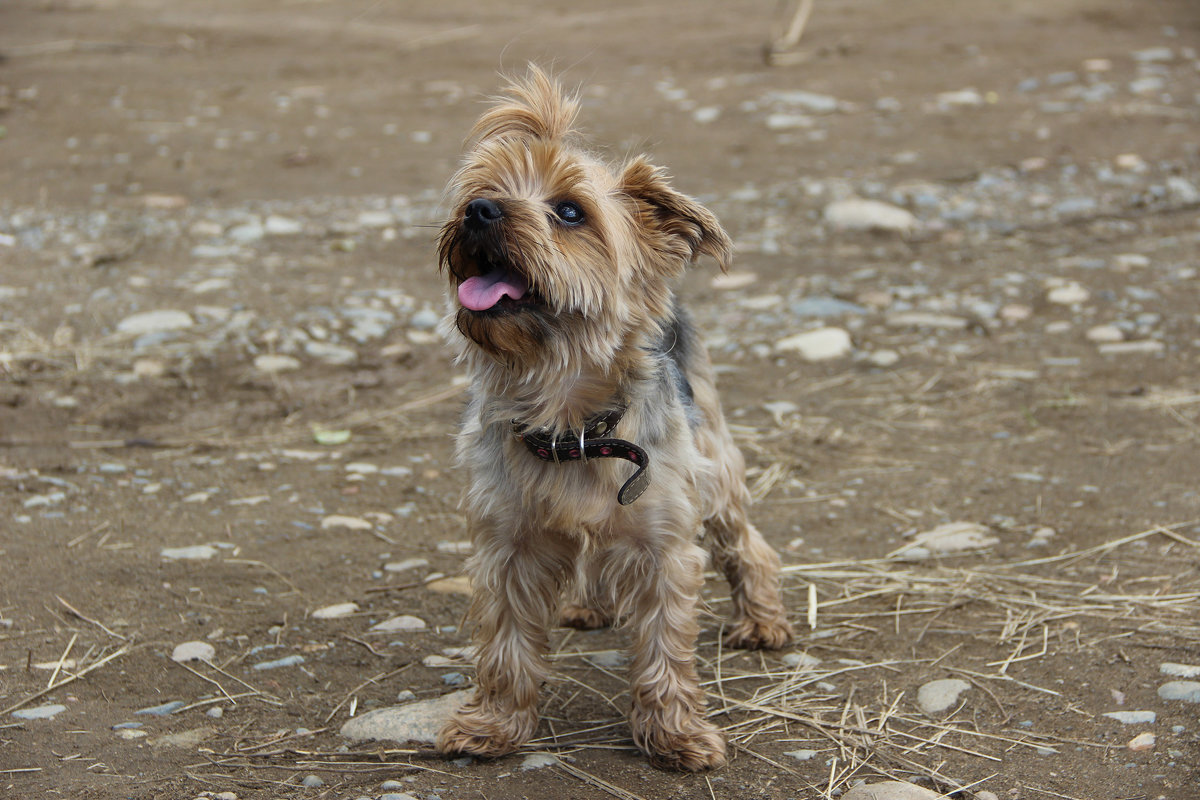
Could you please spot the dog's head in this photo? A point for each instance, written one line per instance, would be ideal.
(553, 254)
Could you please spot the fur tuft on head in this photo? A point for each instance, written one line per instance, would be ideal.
(535, 106)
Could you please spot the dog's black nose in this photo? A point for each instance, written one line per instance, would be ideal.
(482, 212)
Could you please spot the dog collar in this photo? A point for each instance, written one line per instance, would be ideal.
(591, 442)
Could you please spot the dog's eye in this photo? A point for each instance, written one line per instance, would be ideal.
(569, 213)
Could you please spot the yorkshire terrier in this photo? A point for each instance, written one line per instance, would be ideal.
(593, 435)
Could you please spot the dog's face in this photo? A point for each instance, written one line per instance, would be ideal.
(552, 252)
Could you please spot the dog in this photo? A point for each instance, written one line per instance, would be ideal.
(593, 435)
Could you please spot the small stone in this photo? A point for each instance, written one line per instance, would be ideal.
(890, 790)
(129, 734)
(225, 796)
(331, 353)
(801, 661)
(335, 611)
(193, 651)
(938, 696)
(198, 552)
(434, 661)
(538, 761)
(1179, 670)
(149, 368)
(404, 622)
(454, 679)
(868, 215)
(1015, 312)
(353, 523)
(1133, 717)
(1105, 333)
(286, 661)
(155, 322)
(952, 537)
(312, 782)
(413, 722)
(986, 795)
(1068, 295)
(272, 363)
(802, 755)
(609, 659)
(247, 233)
(406, 564)
(282, 226)
(458, 548)
(425, 319)
(961, 98)
(40, 712)
(883, 358)
(164, 710)
(733, 280)
(788, 121)
(821, 344)
(1187, 691)
(216, 712)
(824, 307)
(1141, 346)
(187, 740)
(925, 319)
(1142, 742)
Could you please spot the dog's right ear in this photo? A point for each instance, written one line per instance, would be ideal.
(535, 106)
(675, 224)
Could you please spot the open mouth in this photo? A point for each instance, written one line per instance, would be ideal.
(498, 287)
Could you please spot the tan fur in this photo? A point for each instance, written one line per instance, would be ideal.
(599, 328)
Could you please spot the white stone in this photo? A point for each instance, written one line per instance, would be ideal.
(167, 319)
(890, 790)
(339, 521)
(1105, 333)
(925, 319)
(413, 722)
(282, 226)
(1146, 346)
(273, 363)
(1179, 670)
(868, 215)
(335, 611)
(801, 661)
(247, 232)
(404, 622)
(193, 651)
(802, 755)
(331, 353)
(1142, 742)
(376, 219)
(951, 537)
(960, 98)
(1068, 295)
(817, 345)
(938, 696)
(785, 121)
(1133, 717)
(538, 761)
(1188, 691)
(406, 564)
(198, 552)
(459, 548)
(883, 358)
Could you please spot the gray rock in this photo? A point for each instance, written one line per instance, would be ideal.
(825, 307)
(198, 552)
(938, 696)
(890, 790)
(273, 363)
(425, 319)
(286, 661)
(538, 761)
(40, 712)
(802, 755)
(1187, 691)
(413, 722)
(193, 651)
(166, 319)
(331, 353)
(312, 782)
(1179, 670)
(164, 710)
(1133, 717)
(868, 215)
(821, 344)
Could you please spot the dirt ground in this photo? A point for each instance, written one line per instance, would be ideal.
(1025, 359)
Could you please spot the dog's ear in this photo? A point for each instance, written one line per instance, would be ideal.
(675, 223)
(534, 106)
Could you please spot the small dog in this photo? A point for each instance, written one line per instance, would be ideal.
(563, 312)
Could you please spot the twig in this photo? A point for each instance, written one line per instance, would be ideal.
(65, 681)
(85, 618)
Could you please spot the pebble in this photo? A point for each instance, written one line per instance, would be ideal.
(40, 712)
(286, 661)
(1187, 691)
(425, 319)
(951, 537)
(538, 761)
(802, 755)
(821, 344)
(193, 651)
(1141, 346)
(404, 622)
(1105, 333)
(353, 523)
(394, 796)
(335, 611)
(1068, 295)
(1179, 670)
(277, 225)
(198, 552)
(312, 782)
(413, 722)
(1133, 717)
(609, 659)
(331, 353)
(164, 710)
(890, 790)
(801, 661)
(155, 322)
(938, 696)
(274, 363)
(869, 215)
(406, 564)
(925, 319)
(883, 358)
(457, 548)
(1142, 742)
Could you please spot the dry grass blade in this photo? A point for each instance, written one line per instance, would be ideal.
(599, 783)
(91, 668)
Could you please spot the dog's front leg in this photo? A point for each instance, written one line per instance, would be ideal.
(516, 578)
(662, 579)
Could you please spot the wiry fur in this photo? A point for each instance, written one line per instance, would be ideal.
(602, 330)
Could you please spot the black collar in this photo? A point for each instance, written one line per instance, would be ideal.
(591, 443)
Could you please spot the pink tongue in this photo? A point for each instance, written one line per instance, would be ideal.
(481, 292)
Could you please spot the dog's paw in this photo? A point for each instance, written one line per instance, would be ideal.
(753, 634)
(584, 619)
(696, 750)
(474, 732)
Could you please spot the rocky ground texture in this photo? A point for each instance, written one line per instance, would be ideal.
(959, 347)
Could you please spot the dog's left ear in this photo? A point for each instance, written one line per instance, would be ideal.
(676, 225)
